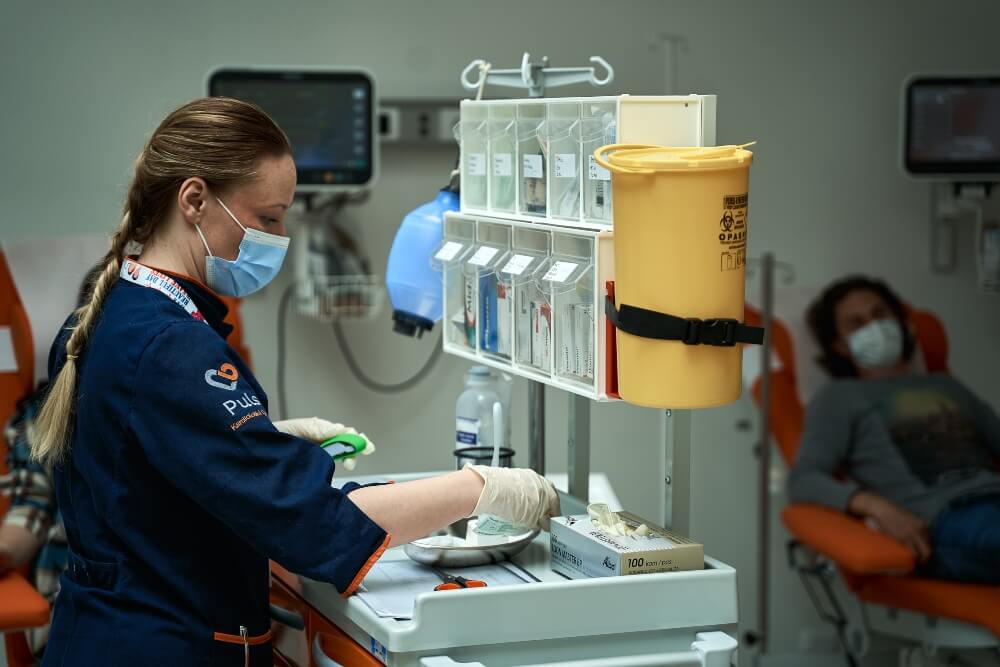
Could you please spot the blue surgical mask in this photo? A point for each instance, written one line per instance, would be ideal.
(260, 259)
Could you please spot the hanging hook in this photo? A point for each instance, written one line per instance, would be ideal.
(478, 65)
(609, 71)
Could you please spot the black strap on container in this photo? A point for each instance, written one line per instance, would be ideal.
(688, 330)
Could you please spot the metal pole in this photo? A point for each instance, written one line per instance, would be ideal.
(536, 426)
(764, 536)
(677, 512)
(579, 446)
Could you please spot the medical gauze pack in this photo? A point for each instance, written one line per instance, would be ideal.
(581, 550)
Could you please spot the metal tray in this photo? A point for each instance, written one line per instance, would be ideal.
(437, 552)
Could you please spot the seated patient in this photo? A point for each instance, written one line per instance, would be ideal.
(914, 454)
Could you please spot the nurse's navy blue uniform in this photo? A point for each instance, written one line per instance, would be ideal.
(178, 489)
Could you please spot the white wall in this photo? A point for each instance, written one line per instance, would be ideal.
(817, 84)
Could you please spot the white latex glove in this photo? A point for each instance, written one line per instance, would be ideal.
(319, 430)
(518, 495)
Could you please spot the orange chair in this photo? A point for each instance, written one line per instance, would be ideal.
(884, 596)
(21, 606)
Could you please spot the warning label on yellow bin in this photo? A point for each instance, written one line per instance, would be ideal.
(733, 232)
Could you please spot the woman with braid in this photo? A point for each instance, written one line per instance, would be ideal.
(174, 484)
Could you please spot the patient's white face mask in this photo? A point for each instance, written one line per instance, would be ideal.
(878, 344)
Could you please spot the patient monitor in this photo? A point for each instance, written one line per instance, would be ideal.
(951, 127)
(328, 115)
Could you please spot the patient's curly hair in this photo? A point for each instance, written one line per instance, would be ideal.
(822, 319)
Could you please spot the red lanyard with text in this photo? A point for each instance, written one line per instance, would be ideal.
(136, 273)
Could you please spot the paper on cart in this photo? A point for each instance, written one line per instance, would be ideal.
(391, 587)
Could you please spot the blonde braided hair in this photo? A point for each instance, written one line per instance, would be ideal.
(219, 139)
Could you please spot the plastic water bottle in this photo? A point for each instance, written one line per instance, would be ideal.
(474, 413)
(414, 286)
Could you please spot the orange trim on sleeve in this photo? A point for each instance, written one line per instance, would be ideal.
(236, 639)
(364, 570)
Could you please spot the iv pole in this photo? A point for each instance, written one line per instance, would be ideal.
(535, 77)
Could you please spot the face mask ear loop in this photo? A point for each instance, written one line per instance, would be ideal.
(226, 209)
(197, 228)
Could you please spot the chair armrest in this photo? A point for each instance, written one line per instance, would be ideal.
(847, 541)
(20, 604)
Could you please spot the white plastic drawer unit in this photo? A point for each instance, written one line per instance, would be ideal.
(528, 298)
(533, 160)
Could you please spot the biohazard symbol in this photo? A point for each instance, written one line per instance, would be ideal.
(727, 221)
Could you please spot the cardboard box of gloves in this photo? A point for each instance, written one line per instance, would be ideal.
(583, 547)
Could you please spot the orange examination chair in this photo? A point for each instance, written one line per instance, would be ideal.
(21, 606)
(877, 592)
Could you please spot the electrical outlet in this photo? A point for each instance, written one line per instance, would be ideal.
(418, 122)
(447, 120)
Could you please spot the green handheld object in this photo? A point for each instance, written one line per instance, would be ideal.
(344, 446)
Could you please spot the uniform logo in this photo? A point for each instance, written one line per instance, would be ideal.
(246, 402)
(226, 372)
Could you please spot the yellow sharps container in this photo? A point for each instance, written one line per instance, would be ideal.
(680, 225)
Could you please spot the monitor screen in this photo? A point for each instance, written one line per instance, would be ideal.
(953, 125)
(328, 117)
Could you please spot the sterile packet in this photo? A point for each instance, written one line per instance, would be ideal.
(487, 524)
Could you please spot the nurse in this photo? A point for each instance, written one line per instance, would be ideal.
(176, 486)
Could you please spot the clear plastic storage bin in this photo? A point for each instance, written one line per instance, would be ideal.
(494, 308)
(597, 128)
(472, 134)
(449, 258)
(534, 301)
(549, 149)
(569, 280)
(531, 171)
(532, 309)
(502, 131)
(562, 144)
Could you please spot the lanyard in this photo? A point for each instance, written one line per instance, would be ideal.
(136, 273)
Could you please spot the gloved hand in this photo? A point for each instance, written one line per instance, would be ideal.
(319, 430)
(518, 495)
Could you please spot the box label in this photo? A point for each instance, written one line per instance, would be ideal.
(597, 172)
(477, 164)
(483, 255)
(448, 251)
(565, 165)
(532, 167)
(559, 272)
(517, 265)
(502, 164)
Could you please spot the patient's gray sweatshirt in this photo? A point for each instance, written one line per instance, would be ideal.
(921, 441)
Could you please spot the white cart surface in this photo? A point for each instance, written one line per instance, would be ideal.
(677, 618)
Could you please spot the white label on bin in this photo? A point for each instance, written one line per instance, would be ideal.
(565, 165)
(597, 172)
(484, 255)
(448, 251)
(517, 264)
(559, 272)
(532, 166)
(502, 164)
(477, 164)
